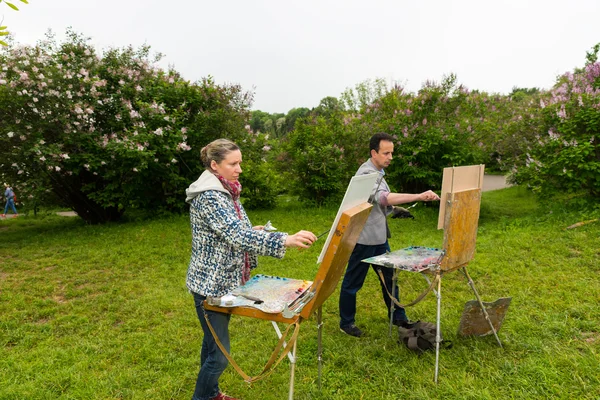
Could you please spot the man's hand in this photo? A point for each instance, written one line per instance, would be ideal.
(428, 196)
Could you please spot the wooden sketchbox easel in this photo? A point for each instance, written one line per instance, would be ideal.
(340, 245)
(459, 215)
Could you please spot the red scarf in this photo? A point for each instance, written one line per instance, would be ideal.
(235, 188)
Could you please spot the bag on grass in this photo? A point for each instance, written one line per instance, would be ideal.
(419, 337)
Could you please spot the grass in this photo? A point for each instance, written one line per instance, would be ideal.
(102, 312)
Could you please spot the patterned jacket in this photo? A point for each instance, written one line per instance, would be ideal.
(220, 239)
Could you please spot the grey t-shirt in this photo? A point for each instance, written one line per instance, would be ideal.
(375, 230)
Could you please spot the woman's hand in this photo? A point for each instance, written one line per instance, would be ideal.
(303, 239)
(259, 228)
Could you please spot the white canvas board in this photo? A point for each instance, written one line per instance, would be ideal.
(457, 179)
(358, 192)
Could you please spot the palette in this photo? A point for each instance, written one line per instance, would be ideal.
(414, 259)
(270, 294)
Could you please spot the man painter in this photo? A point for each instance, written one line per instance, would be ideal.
(373, 240)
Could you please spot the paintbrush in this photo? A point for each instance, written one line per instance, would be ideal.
(323, 234)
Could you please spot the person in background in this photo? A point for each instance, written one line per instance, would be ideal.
(10, 200)
(373, 240)
(225, 247)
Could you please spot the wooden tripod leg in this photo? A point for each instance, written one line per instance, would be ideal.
(485, 314)
(438, 337)
(319, 341)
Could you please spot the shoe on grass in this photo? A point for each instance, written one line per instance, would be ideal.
(352, 330)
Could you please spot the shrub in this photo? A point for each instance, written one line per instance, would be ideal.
(107, 132)
(313, 160)
(260, 181)
(565, 157)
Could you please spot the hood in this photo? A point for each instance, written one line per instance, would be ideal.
(207, 181)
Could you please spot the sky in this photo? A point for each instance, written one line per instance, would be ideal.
(294, 53)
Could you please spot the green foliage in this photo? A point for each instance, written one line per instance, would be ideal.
(363, 94)
(293, 115)
(591, 57)
(260, 182)
(328, 107)
(565, 157)
(439, 127)
(107, 133)
(3, 31)
(274, 125)
(314, 160)
(431, 134)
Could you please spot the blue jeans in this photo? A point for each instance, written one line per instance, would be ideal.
(212, 360)
(355, 278)
(10, 203)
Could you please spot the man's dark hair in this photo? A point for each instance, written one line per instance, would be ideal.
(377, 138)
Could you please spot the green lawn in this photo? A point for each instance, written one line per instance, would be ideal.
(102, 312)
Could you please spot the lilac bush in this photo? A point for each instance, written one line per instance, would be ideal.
(565, 156)
(107, 132)
(440, 126)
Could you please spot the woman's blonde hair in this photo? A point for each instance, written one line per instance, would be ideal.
(216, 150)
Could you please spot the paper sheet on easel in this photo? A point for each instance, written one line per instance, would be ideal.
(359, 190)
(457, 179)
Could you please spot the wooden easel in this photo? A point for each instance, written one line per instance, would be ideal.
(330, 271)
(460, 235)
(461, 200)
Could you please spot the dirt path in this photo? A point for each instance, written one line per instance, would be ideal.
(494, 182)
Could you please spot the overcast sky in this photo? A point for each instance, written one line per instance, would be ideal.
(294, 53)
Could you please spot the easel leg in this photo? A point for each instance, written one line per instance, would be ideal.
(392, 305)
(319, 341)
(438, 294)
(487, 317)
(292, 357)
(292, 370)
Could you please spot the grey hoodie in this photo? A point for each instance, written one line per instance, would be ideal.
(207, 181)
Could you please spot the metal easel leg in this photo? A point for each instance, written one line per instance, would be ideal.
(319, 343)
(485, 314)
(292, 356)
(438, 294)
(292, 370)
(392, 305)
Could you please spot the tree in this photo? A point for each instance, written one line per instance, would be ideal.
(108, 132)
(293, 115)
(328, 106)
(363, 94)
